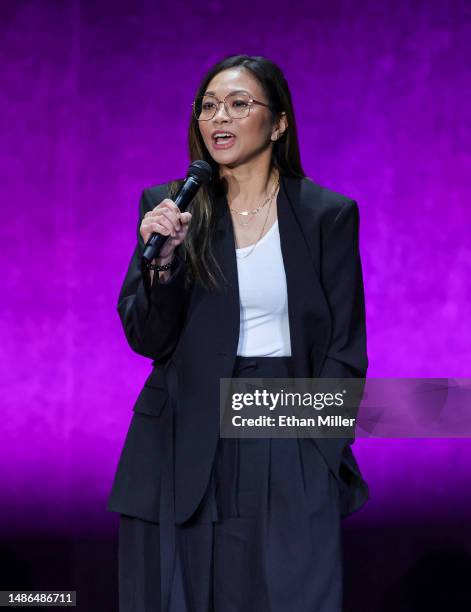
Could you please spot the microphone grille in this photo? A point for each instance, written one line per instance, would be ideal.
(201, 171)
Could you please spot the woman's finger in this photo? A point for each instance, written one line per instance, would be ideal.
(166, 217)
(160, 228)
(172, 216)
(169, 205)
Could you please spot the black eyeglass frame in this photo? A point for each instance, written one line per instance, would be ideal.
(251, 102)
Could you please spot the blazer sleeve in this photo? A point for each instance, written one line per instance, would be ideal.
(152, 318)
(342, 280)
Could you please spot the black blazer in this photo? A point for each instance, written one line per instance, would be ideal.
(198, 332)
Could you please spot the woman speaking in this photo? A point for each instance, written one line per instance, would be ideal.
(260, 277)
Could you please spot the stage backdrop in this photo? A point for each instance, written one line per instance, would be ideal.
(94, 106)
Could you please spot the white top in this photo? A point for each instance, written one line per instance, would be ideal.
(264, 325)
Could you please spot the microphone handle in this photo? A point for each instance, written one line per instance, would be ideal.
(183, 198)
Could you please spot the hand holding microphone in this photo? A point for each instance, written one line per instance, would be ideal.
(166, 219)
(165, 226)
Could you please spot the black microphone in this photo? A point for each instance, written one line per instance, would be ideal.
(199, 173)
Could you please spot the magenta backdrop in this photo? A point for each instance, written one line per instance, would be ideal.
(94, 106)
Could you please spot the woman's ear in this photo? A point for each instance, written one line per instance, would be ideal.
(280, 128)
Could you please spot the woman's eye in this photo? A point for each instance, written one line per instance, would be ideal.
(208, 105)
(239, 103)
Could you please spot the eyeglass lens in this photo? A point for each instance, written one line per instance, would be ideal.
(237, 106)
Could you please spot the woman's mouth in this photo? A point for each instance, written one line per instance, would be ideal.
(223, 140)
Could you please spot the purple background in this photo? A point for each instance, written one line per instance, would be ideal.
(94, 106)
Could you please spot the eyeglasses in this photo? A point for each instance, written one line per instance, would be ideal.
(237, 105)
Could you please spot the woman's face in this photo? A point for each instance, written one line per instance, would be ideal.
(252, 134)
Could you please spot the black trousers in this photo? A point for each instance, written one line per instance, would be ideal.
(265, 538)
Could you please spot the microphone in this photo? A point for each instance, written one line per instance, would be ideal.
(199, 173)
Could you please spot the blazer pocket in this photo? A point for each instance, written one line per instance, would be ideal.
(151, 400)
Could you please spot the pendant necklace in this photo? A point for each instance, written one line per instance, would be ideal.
(261, 233)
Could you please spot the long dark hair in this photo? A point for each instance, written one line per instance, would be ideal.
(196, 250)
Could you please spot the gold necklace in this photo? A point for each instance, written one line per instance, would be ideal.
(258, 239)
(269, 199)
(252, 213)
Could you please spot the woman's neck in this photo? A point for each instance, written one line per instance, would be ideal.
(246, 187)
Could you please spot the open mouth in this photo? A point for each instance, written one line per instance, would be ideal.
(223, 139)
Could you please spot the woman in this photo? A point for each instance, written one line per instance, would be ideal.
(210, 523)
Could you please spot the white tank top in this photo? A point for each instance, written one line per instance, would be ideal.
(264, 325)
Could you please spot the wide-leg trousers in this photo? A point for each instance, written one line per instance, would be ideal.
(265, 538)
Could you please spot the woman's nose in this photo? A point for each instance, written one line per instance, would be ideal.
(222, 106)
